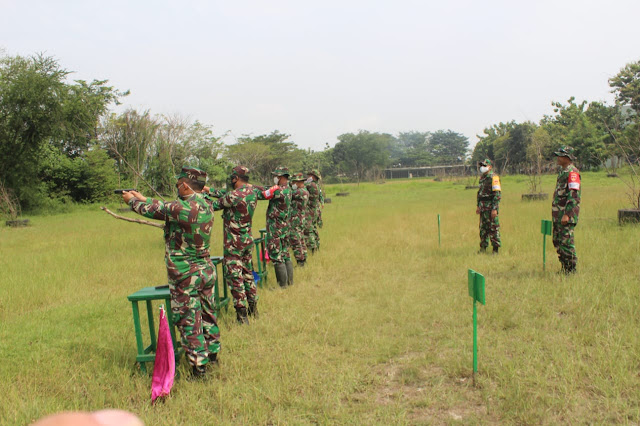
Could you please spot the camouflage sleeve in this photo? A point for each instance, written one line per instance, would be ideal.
(153, 209)
(217, 193)
(225, 202)
(572, 207)
(259, 191)
(495, 202)
(321, 196)
(313, 191)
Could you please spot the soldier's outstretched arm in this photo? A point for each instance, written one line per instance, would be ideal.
(147, 207)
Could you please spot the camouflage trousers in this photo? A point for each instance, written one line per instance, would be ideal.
(278, 246)
(238, 275)
(563, 242)
(193, 309)
(489, 230)
(298, 244)
(309, 238)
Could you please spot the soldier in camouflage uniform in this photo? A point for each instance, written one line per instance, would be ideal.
(188, 221)
(239, 203)
(565, 209)
(488, 202)
(299, 203)
(278, 214)
(311, 231)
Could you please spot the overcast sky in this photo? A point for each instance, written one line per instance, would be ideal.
(316, 70)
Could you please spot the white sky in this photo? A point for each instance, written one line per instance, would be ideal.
(316, 70)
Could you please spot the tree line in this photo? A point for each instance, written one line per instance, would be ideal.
(61, 143)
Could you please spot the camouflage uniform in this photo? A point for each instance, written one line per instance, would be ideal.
(278, 215)
(321, 199)
(191, 274)
(311, 230)
(488, 199)
(299, 203)
(239, 205)
(566, 201)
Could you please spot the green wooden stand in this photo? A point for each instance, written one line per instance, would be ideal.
(148, 295)
(162, 293)
(260, 244)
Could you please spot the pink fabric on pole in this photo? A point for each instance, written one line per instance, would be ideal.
(164, 368)
(266, 256)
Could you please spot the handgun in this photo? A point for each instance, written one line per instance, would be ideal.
(120, 191)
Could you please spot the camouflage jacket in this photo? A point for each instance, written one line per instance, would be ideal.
(278, 211)
(489, 192)
(566, 198)
(299, 202)
(314, 197)
(238, 206)
(187, 232)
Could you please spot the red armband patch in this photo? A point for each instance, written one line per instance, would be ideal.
(574, 180)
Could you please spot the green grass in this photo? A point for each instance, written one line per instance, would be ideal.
(377, 328)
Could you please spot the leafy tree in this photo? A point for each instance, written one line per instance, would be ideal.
(448, 147)
(411, 149)
(357, 154)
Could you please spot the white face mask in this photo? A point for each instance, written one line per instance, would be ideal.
(276, 179)
(484, 169)
(309, 179)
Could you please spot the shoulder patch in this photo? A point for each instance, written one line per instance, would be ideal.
(495, 184)
(574, 180)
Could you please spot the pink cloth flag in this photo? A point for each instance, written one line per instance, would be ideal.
(266, 256)
(164, 368)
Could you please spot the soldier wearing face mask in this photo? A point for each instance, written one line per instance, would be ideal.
(488, 202)
(278, 217)
(187, 233)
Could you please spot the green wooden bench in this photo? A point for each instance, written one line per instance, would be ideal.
(161, 293)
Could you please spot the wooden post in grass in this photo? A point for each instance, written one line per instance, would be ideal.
(438, 230)
(476, 291)
(546, 230)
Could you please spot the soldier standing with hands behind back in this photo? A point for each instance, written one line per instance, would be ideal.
(488, 201)
(565, 209)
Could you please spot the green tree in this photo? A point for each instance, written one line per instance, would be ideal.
(358, 154)
(448, 147)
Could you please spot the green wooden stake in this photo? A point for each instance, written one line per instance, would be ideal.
(476, 291)
(439, 245)
(545, 230)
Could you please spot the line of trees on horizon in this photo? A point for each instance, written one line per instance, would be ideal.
(61, 143)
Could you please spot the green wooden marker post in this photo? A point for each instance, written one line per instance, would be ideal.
(546, 230)
(439, 231)
(476, 291)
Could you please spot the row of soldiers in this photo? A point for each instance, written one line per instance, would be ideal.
(565, 208)
(293, 218)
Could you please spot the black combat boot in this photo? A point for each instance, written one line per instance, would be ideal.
(495, 250)
(241, 315)
(483, 250)
(213, 359)
(301, 263)
(281, 274)
(198, 372)
(289, 265)
(253, 309)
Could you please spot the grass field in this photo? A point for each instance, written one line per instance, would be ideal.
(376, 330)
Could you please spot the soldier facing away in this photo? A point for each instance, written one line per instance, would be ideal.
(311, 232)
(565, 209)
(299, 203)
(278, 212)
(488, 202)
(188, 221)
(239, 203)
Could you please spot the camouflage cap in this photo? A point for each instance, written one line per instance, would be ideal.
(565, 151)
(281, 171)
(315, 172)
(298, 177)
(193, 173)
(485, 162)
(240, 171)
